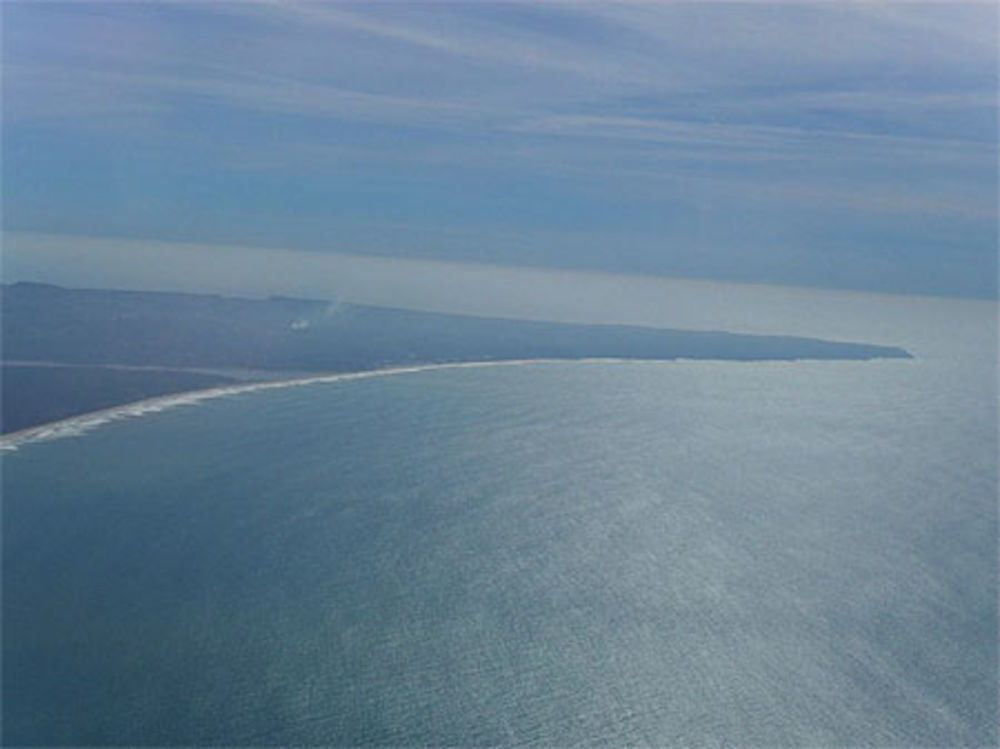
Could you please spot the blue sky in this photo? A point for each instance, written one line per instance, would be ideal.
(842, 145)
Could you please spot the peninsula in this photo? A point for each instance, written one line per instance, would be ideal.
(71, 351)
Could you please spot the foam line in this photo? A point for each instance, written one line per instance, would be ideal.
(78, 425)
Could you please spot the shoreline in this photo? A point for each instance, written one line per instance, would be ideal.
(73, 426)
(236, 374)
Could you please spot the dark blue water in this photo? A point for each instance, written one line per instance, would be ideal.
(622, 553)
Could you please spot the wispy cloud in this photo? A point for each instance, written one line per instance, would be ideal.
(474, 116)
(481, 42)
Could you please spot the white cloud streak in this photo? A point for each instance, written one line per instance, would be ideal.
(879, 109)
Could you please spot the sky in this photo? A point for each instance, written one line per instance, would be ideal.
(841, 145)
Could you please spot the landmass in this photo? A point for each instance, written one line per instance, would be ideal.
(72, 351)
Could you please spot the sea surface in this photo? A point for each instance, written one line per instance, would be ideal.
(714, 554)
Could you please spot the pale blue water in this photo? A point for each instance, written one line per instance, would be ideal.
(696, 554)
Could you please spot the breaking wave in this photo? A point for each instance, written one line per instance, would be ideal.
(84, 423)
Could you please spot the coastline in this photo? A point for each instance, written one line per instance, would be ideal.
(236, 374)
(79, 424)
(82, 423)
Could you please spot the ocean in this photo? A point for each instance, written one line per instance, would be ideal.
(557, 553)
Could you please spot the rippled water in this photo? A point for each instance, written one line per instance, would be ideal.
(684, 553)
